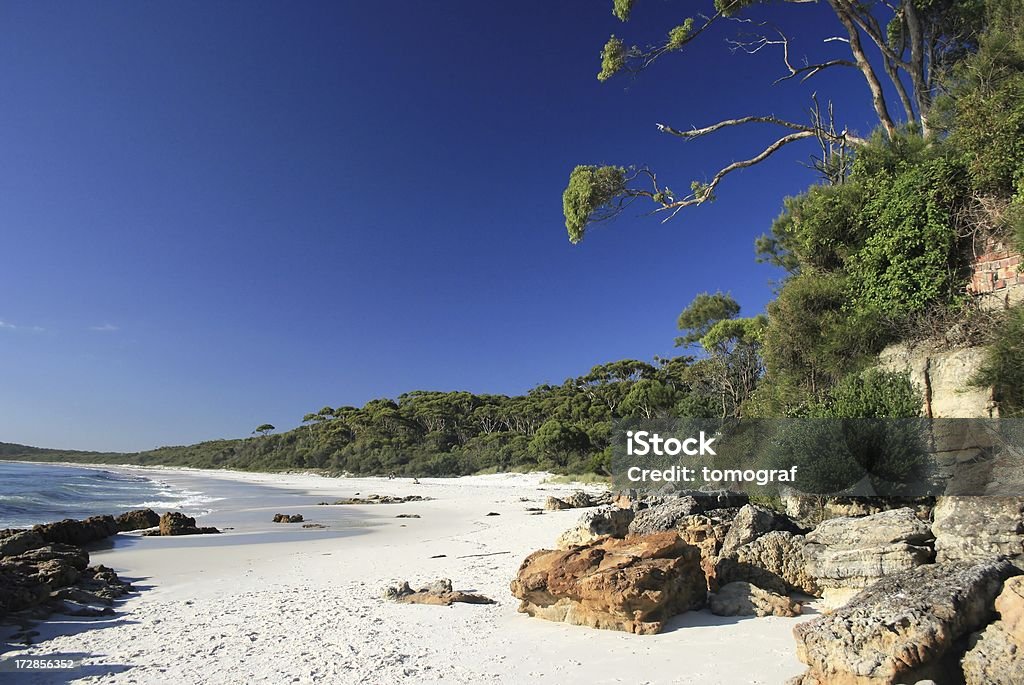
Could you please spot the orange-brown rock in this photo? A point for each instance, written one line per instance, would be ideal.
(707, 532)
(633, 584)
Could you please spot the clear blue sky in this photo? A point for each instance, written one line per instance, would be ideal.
(214, 215)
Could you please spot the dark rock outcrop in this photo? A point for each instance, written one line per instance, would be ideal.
(902, 628)
(40, 576)
(176, 523)
(140, 519)
(633, 585)
(19, 541)
(288, 518)
(72, 532)
(381, 499)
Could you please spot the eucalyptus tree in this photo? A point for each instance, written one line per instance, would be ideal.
(906, 44)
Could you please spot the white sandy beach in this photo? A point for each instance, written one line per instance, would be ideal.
(276, 603)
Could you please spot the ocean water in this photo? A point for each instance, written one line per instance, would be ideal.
(39, 493)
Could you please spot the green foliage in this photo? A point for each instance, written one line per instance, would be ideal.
(866, 258)
(647, 399)
(987, 103)
(679, 35)
(818, 229)
(556, 441)
(812, 338)
(875, 394)
(622, 8)
(1015, 223)
(704, 312)
(564, 427)
(1003, 368)
(770, 249)
(727, 332)
(912, 258)
(730, 8)
(613, 58)
(589, 195)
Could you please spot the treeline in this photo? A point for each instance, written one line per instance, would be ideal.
(563, 427)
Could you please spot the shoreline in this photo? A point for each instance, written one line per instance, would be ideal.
(267, 602)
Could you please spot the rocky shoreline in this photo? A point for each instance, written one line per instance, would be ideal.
(929, 591)
(912, 593)
(45, 569)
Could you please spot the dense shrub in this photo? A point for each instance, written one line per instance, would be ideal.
(913, 257)
(1003, 368)
(875, 394)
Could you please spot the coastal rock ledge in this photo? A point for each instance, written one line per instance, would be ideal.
(633, 584)
(902, 629)
(997, 657)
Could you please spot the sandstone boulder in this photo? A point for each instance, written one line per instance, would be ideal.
(633, 585)
(707, 532)
(997, 657)
(900, 629)
(579, 500)
(669, 512)
(140, 519)
(976, 528)
(555, 504)
(744, 599)
(439, 592)
(751, 522)
(776, 561)
(600, 522)
(846, 555)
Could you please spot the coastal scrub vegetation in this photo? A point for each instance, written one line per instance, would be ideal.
(878, 251)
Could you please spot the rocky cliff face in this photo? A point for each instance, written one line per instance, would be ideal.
(943, 375)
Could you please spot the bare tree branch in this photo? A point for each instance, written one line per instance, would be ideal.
(814, 130)
(703, 193)
(760, 41)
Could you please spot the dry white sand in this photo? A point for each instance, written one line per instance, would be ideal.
(275, 603)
